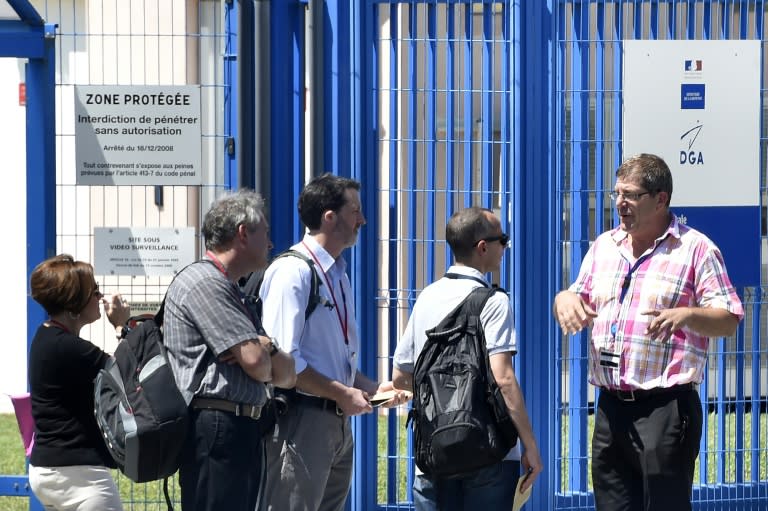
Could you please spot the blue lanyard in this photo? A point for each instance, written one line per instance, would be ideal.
(628, 276)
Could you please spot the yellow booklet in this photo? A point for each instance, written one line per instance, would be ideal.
(382, 397)
(521, 497)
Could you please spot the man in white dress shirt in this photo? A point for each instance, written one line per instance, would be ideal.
(309, 457)
(478, 244)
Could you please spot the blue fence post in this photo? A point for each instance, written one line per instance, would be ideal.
(579, 236)
(350, 150)
(533, 190)
(231, 95)
(286, 43)
(41, 173)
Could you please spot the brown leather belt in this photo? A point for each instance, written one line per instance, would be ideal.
(640, 394)
(239, 409)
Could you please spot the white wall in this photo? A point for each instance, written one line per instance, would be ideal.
(13, 344)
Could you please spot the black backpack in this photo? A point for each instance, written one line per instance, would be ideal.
(251, 284)
(139, 409)
(460, 419)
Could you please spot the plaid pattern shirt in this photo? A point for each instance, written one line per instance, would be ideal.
(682, 269)
(204, 317)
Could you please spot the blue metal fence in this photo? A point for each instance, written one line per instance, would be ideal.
(515, 105)
(454, 128)
(732, 467)
(435, 94)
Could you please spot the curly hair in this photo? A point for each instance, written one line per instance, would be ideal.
(227, 213)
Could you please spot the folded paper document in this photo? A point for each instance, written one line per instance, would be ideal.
(383, 397)
(521, 497)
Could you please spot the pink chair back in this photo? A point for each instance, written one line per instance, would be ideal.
(22, 405)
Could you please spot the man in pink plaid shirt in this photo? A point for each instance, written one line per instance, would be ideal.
(654, 291)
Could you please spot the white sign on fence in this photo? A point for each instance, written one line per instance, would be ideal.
(697, 105)
(138, 135)
(140, 308)
(149, 252)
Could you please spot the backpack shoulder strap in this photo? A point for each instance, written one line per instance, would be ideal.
(477, 299)
(251, 285)
(315, 298)
(471, 305)
(160, 315)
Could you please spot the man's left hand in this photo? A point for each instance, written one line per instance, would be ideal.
(400, 396)
(666, 321)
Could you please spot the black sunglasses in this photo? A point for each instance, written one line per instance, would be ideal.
(503, 239)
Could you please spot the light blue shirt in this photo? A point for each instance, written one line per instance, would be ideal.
(318, 342)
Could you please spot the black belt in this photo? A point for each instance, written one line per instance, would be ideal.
(239, 409)
(319, 402)
(640, 394)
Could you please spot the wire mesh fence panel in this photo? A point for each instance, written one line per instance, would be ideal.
(731, 471)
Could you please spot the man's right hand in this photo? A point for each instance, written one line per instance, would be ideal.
(354, 402)
(532, 467)
(572, 312)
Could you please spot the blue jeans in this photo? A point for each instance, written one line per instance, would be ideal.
(487, 489)
(222, 462)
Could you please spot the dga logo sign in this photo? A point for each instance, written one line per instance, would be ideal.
(689, 155)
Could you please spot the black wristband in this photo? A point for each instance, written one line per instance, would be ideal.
(123, 332)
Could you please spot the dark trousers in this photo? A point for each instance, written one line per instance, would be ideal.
(644, 452)
(487, 489)
(222, 463)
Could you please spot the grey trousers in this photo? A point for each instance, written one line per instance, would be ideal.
(309, 461)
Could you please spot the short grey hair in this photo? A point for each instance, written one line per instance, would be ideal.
(227, 213)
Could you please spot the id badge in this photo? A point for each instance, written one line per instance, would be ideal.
(609, 358)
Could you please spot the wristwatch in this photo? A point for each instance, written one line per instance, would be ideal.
(272, 347)
(122, 332)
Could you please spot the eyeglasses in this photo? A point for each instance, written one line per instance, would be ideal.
(631, 197)
(503, 239)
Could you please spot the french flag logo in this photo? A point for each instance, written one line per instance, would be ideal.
(693, 65)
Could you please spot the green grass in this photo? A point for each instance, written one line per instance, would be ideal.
(400, 461)
(11, 460)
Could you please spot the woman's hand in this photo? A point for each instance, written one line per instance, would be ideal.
(117, 310)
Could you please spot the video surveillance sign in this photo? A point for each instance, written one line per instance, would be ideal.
(138, 135)
(697, 105)
(147, 252)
